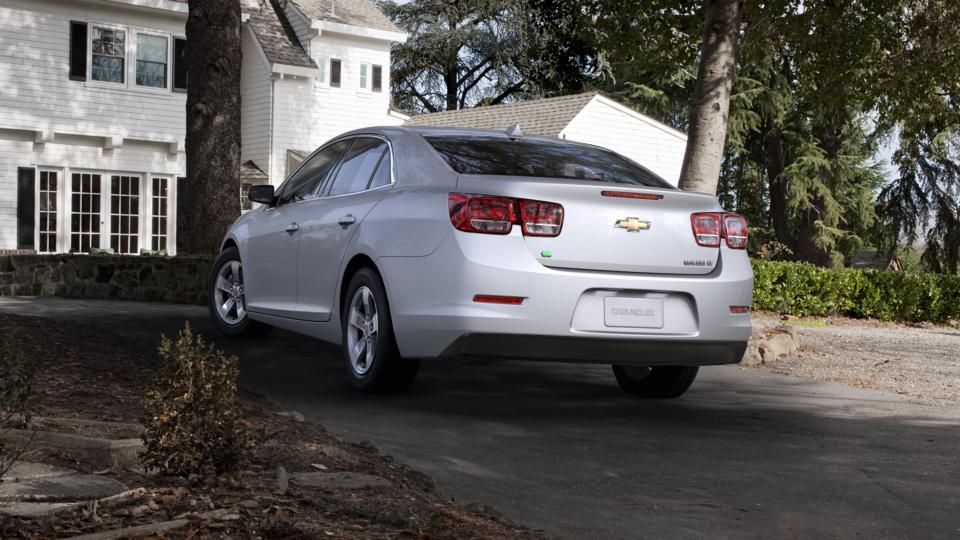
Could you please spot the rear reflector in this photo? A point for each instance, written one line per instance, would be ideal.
(739, 310)
(630, 195)
(494, 299)
(495, 214)
(706, 229)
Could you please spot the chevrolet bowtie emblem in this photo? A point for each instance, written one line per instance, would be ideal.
(632, 224)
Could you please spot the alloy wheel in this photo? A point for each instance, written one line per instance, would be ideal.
(230, 302)
(363, 325)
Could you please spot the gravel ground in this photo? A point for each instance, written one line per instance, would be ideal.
(920, 362)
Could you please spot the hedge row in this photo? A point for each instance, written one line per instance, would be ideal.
(804, 289)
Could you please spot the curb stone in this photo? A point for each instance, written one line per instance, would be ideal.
(112, 454)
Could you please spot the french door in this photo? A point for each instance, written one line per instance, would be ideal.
(86, 211)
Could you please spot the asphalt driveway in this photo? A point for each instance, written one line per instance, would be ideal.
(558, 447)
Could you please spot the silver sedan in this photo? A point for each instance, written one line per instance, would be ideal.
(402, 244)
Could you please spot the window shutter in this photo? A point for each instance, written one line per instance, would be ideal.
(78, 51)
(26, 194)
(377, 78)
(335, 73)
(179, 65)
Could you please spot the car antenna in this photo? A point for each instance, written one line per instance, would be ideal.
(513, 132)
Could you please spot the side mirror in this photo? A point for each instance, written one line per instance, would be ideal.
(261, 193)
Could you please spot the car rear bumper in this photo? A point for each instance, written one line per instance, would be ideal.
(483, 348)
(562, 316)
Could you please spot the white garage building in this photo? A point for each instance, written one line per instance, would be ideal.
(590, 118)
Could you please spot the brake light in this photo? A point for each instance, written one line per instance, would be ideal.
(540, 218)
(632, 195)
(495, 214)
(706, 229)
(735, 231)
(710, 227)
(482, 213)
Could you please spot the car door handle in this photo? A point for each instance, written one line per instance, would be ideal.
(346, 220)
(292, 228)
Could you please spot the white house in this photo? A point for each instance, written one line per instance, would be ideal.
(590, 118)
(92, 109)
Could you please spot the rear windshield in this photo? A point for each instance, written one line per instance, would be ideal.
(500, 156)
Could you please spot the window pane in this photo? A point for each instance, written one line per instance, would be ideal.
(363, 75)
(358, 165)
(108, 55)
(151, 61)
(502, 156)
(382, 176)
(305, 181)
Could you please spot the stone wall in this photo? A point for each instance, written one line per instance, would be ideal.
(160, 279)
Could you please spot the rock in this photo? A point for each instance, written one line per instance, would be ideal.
(318, 466)
(338, 480)
(23, 470)
(751, 356)
(35, 509)
(776, 346)
(69, 488)
(283, 480)
(294, 415)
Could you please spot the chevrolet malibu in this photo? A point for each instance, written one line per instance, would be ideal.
(403, 244)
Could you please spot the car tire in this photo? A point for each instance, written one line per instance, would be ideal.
(660, 382)
(226, 301)
(370, 350)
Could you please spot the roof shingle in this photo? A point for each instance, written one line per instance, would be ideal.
(545, 117)
(276, 37)
(353, 12)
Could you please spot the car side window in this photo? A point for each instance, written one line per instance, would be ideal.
(382, 176)
(358, 166)
(302, 186)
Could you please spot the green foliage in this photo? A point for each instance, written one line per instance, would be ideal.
(194, 423)
(16, 386)
(804, 289)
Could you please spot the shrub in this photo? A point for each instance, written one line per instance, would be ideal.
(804, 289)
(194, 423)
(16, 385)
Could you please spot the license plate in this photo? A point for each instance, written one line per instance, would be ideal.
(632, 312)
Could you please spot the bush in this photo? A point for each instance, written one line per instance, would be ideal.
(804, 289)
(194, 424)
(16, 385)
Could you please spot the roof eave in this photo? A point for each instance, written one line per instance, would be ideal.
(321, 26)
(287, 70)
(159, 5)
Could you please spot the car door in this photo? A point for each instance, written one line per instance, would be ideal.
(328, 224)
(270, 263)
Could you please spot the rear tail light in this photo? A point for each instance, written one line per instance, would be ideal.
(482, 213)
(735, 231)
(739, 310)
(494, 214)
(706, 229)
(540, 218)
(710, 227)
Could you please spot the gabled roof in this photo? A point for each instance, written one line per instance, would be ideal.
(275, 35)
(251, 174)
(360, 13)
(546, 117)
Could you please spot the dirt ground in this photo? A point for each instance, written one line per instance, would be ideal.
(84, 372)
(921, 361)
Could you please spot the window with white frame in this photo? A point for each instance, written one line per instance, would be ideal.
(158, 213)
(322, 65)
(47, 226)
(125, 214)
(364, 70)
(108, 54)
(152, 51)
(85, 212)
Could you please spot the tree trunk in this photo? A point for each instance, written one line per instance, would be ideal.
(209, 201)
(711, 97)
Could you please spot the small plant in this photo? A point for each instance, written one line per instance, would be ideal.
(194, 424)
(16, 385)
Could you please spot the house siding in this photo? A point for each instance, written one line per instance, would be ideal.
(658, 148)
(37, 96)
(255, 99)
(307, 113)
